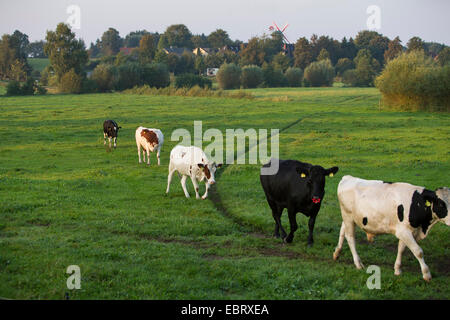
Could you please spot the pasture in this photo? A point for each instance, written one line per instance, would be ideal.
(68, 200)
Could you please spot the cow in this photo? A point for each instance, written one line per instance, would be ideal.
(402, 209)
(298, 187)
(110, 131)
(149, 140)
(193, 162)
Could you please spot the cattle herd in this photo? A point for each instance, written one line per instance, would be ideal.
(377, 207)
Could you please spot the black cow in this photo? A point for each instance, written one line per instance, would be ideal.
(110, 130)
(299, 187)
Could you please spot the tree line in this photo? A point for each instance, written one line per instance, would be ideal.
(150, 57)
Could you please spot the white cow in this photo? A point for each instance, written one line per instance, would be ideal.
(192, 162)
(150, 140)
(402, 209)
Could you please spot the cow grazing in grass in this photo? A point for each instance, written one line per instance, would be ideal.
(110, 131)
(299, 187)
(402, 209)
(191, 162)
(149, 140)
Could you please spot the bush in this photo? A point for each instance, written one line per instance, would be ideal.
(350, 78)
(294, 77)
(252, 76)
(70, 82)
(343, 65)
(273, 77)
(89, 86)
(128, 76)
(13, 88)
(155, 75)
(229, 76)
(103, 75)
(189, 80)
(413, 81)
(320, 73)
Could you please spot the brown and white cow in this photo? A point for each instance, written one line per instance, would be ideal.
(401, 209)
(191, 162)
(149, 140)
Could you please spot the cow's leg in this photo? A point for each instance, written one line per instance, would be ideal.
(115, 142)
(195, 184)
(183, 185)
(407, 237)
(158, 156)
(207, 185)
(311, 222)
(148, 156)
(139, 152)
(276, 214)
(398, 261)
(293, 222)
(104, 138)
(338, 249)
(109, 139)
(169, 178)
(350, 236)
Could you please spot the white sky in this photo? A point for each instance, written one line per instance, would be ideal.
(242, 19)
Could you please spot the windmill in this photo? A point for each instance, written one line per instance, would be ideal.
(285, 39)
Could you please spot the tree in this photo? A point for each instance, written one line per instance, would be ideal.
(147, 49)
(444, 57)
(229, 76)
(415, 43)
(272, 46)
(19, 70)
(7, 56)
(320, 73)
(103, 75)
(253, 53)
(200, 65)
(200, 41)
(178, 35)
(394, 49)
(251, 77)
(281, 61)
(95, 49)
(343, 65)
(214, 60)
(64, 51)
(20, 42)
(155, 75)
(294, 77)
(70, 82)
(185, 63)
(348, 49)
(367, 68)
(273, 77)
(133, 39)
(302, 53)
(376, 43)
(36, 49)
(323, 55)
(111, 42)
(219, 39)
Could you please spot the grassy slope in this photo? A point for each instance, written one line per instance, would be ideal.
(65, 200)
(38, 64)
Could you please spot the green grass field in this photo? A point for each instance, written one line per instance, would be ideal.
(38, 64)
(67, 200)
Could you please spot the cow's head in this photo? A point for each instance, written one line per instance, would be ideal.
(440, 204)
(209, 171)
(314, 176)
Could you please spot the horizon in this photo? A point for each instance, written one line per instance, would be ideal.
(325, 17)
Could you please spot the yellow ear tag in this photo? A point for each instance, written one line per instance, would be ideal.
(427, 203)
(331, 174)
(303, 175)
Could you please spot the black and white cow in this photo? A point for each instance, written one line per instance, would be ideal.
(401, 209)
(299, 187)
(110, 131)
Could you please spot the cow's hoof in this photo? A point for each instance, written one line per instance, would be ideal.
(427, 277)
(335, 256)
(288, 239)
(310, 244)
(277, 236)
(398, 272)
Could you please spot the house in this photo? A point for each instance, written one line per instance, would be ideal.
(175, 50)
(203, 51)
